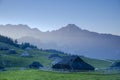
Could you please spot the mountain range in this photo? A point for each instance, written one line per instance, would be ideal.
(70, 39)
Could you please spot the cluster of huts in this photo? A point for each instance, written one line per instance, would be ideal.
(70, 63)
(75, 63)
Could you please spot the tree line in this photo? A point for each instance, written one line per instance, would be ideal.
(10, 41)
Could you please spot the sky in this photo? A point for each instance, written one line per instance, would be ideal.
(101, 16)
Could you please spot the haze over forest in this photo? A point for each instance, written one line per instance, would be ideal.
(70, 39)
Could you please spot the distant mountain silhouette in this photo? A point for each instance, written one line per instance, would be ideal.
(70, 39)
(17, 31)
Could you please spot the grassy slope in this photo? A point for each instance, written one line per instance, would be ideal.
(97, 63)
(45, 75)
(10, 60)
(18, 61)
(15, 60)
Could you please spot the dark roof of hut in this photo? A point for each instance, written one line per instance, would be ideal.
(74, 63)
(69, 59)
(116, 64)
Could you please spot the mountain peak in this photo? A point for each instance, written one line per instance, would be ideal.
(36, 29)
(16, 26)
(70, 28)
(71, 25)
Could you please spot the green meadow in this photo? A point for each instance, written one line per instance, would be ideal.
(16, 66)
(47, 75)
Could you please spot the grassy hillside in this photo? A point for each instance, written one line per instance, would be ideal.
(97, 63)
(15, 60)
(45, 75)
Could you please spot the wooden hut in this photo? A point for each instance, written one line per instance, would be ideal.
(72, 63)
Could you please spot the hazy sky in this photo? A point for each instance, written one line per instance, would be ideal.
(95, 15)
